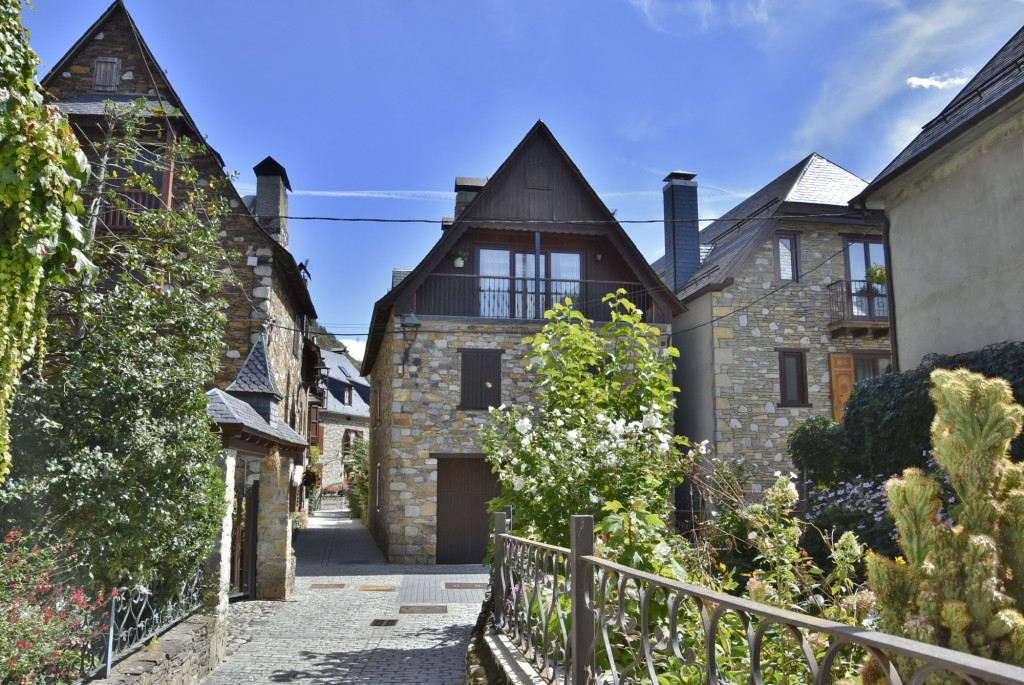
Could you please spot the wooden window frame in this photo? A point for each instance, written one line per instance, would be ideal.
(474, 395)
(777, 256)
(873, 355)
(802, 399)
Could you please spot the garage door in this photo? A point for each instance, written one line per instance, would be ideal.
(464, 486)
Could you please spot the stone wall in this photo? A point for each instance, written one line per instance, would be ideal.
(749, 423)
(425, 419)
(184, 655)
(115, 39)
(275, 559)
(332, 459)
(380, 437)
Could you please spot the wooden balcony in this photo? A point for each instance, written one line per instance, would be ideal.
(858, 308)
(499, 297)
(132, 202)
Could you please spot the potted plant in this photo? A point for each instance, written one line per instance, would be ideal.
(876, 274)
(458, 258)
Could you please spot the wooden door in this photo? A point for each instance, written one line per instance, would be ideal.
(842, 377)
(465, 485)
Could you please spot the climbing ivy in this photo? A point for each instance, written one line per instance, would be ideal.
(41, 172)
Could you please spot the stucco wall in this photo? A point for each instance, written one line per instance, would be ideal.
(957, 244)
(749, 423)
(695, 401)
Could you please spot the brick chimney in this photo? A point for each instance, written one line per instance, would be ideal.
(271, 208)
(465, 190)
(682, 244)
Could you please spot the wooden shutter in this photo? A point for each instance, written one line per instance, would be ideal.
(840, 368)
(481, 379)
(106, 72)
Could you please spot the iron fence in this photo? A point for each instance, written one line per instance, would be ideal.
(584, 620)
(132, 617)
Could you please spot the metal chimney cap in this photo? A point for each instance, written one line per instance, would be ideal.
(680, 176)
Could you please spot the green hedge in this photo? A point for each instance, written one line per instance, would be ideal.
(888, 418)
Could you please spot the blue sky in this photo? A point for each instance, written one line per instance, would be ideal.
(375, 106)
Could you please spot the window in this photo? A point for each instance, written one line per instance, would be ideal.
(867, 298)
(298, 328)
(793, 378)
(870, 364)
(517, 284)
(787, 262)
(346, 395)
(348, 440)
(481, 379)
(105, 74)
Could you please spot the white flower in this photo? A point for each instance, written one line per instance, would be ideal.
(518, 484)
(559, 422)
(525, 442)
(594, 498)
(703, 447)
(792, 475)
(573, 436)
(778, 473)
(524, 425)
(752, 535)
(618, 427)
(652, 421)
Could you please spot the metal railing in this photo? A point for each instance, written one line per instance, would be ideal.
(857, 301)
(131, 618)
(500, 297)
(584, 620)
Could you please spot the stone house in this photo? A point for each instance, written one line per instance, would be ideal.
(269, 302)
(342, 419)
(445, 342)
(953, 204)
(780, 318)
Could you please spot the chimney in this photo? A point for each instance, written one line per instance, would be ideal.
(682, 244)
(272, 199)
(465, 190)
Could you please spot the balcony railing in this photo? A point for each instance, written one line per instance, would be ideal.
(858, 307)
(502, 297)
(134, 201)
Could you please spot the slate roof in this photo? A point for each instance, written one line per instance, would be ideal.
(814, 180)
(343, 372)
(998, 82)
(94, 103)
(228, 411)
(255, 374)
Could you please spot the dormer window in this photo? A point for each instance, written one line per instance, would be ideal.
(106, 73)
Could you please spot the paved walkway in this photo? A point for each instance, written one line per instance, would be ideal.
(324, 634)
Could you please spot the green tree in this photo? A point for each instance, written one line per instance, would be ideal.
(601, 429)
(41, 172)
(112, 433)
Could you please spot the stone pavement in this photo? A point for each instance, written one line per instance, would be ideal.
(325, 634)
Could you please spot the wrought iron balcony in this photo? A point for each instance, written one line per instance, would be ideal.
(502, 297)
(858, 308)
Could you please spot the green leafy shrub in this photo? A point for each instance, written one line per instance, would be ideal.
(113, 430)
(600, 429)
(888, 417)
(819, 449)
(358, 492)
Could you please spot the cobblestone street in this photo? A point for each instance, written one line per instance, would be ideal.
(326, 632)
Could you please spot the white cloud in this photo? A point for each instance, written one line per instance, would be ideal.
(356, 348)
(954, 79)
(661, 15)
(924, 38)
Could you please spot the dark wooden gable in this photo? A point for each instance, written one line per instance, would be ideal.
(538, 182)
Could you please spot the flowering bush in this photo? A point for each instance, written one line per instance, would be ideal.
(43, 619)
(859, 506)
(601, 429)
